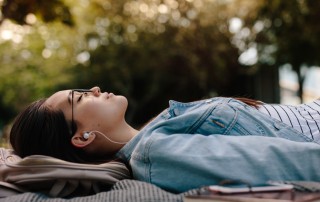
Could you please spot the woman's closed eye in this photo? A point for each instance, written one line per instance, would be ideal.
(80, 97)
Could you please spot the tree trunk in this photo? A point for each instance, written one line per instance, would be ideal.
(300, 82)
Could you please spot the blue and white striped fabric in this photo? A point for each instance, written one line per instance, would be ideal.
(304, 117)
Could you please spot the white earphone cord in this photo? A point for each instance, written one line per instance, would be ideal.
(95, 131)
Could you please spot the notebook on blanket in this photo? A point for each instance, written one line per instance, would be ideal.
(280, 191)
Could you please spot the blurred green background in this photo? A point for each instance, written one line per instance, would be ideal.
(153, 50)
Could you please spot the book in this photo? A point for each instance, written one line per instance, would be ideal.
(219, 198)
(261, 197)
(284, 194)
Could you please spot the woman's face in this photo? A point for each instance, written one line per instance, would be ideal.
(91, 110)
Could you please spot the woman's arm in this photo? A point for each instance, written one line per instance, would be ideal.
(180, 162)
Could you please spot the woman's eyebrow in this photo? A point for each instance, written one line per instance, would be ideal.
(69, 96)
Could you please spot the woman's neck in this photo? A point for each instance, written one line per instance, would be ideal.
(124, 132)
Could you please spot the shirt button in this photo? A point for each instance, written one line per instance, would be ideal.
(277, 126)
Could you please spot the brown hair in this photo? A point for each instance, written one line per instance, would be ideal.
(44, 131)
(250, 102)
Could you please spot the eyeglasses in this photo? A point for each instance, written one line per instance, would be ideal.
(73, 125)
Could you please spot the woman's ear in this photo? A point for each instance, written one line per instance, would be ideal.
(82, 140)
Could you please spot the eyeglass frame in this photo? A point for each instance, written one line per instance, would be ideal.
(72, 110)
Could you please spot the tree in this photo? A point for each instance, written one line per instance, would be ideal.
(48, 11)
(288, 34)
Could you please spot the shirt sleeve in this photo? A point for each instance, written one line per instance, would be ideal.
(179, 162)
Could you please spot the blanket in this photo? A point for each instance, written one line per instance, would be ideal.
(122, 191)
(133, 190)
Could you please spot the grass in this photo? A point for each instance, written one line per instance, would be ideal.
(4, 143)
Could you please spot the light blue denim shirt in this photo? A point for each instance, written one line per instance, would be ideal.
(190, 145)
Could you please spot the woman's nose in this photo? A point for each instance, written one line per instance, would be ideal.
(96, 91)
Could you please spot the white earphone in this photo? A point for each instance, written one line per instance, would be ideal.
(87, 134)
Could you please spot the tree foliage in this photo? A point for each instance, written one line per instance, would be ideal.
(288, 34)
(48, 11)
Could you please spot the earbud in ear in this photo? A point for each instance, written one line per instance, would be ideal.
(86, 135)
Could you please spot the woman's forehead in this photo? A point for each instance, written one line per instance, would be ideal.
(59, 99)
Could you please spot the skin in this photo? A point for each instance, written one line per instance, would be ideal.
(95, 111)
